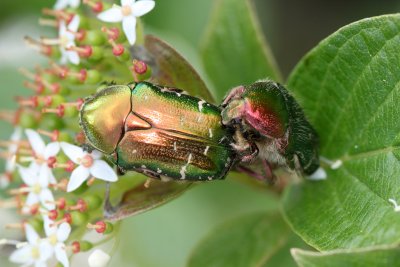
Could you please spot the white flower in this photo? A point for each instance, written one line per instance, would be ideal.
(37, 187)
(57, 235)
(36, 252)
(43, 154)
(89, 164)
(4, 180)
(13, 149)
(67, 40)
(61, 4)
(127, 13)
(98, 258)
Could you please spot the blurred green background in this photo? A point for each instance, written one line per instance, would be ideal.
(166, 236)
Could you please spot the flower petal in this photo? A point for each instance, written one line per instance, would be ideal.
(96, 154)
(45, 251)
(46, 198)
(113, 14)
(61, 254)
(44, 176)
(142, 7)
(73, 57)
(64, 57)
(4, 182)
(34, 168)
(63, 232)
(98, 258)
(101, 170)
(28, 175)
(11, 163)
(35, 141)
(49, 229)
(31, 199)
(74, 24)
(72, 152)
(39, 263)
(52, 179)
(127, 2)
(78, 176)
(23, 255)
(51, 150)
(61, 4)
(129, 27)
(16, 136)
(31, 235)
(74, 3)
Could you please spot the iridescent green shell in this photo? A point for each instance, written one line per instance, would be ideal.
(159, 131)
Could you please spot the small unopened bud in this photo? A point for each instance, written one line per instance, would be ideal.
(53, 214)
(80, 206)
(97, 6)
(61, 203)
(92, 201)
(79, 218)
(76, 247)
(140, 67)
(112, 33)
(101, 227)
(140, 70)
(51, 162)
(67, 218)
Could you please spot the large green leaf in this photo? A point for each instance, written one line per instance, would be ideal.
(142, 198)
(252, 240)
(382, 256)
(349, 86)
(234, 50)
(172, 69)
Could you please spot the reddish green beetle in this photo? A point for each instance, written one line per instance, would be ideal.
(270, 129)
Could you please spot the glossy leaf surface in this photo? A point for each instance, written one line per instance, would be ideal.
(349, 86)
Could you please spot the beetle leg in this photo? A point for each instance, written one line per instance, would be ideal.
(235, 92)
(149, 173)
(87, 147)
(267, 176)
(252, 154)
(120, 171)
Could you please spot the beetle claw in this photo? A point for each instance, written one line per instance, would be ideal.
(87, 148)
(121, 171)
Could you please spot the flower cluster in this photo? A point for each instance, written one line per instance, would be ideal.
(49, 177)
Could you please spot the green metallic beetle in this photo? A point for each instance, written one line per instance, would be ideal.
(158, 131)
(271, 130)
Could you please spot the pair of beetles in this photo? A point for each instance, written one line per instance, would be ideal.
(166, 134)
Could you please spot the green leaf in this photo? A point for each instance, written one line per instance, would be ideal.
(251, 240)
(382, 256)
(234, 50)
(142, 198)
(349, 86)
(172, 69)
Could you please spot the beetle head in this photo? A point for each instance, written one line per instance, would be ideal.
(102, 117)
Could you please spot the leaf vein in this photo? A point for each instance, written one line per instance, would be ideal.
(353, 89)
